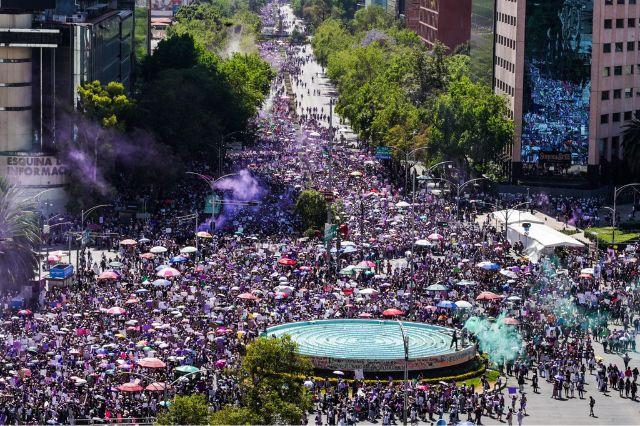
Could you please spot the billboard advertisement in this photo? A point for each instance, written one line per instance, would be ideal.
(33, 170)
(557, 82)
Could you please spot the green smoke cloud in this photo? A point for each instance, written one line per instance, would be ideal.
(501, 342)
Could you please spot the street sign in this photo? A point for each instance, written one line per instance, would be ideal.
(212, 204)
(383, 153)
(328, 196)
(330, 232)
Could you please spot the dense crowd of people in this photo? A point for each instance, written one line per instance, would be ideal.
(172, 312)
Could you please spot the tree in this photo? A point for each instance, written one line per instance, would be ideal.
(19, 236)
(109, 105)
(311, 208)
(330, 37)
(372, 17)
(186, 410)
(234, 416)
(249, 77)
(177, 52)
(273, 388)
(631, 145)
(204, 22)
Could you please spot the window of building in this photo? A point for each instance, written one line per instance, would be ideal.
(631, 22)
(619, 23)
(632, 1)
(637, 114)
(627, 115)
(615, 142)
(617, 93)
(608, 2)
(604, 118)
(620, 2)
(606, 47)
(628, 92)
(605, 95)
(617, 70)
(619, 46)
(607, 23)
(628, 69)
(631, 46)
(615, 117)
(606, 71)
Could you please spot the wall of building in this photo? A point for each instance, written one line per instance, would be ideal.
(447, 21)
(16, 130)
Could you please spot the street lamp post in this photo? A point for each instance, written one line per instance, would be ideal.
(616, 192)
(405, 343)
(83, 216)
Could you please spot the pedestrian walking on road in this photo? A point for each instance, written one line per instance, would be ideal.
(592, 403)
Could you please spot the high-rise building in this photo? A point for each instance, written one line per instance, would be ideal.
(47, 49)
(569, 69)
(447, 21)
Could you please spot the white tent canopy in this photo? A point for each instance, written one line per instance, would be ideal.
(516, 216)
(539, 239)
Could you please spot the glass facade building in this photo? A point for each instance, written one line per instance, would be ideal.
(556, 85)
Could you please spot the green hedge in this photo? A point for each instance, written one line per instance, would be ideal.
(605, 235)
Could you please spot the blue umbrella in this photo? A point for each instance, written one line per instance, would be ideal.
(161, 283)
(178, 259)
(488, 266)
(446, 304)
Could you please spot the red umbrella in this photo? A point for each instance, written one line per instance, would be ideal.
(157, 386)
(130, 387)
(393, 312)
(151, 363)
(286, 261)
(24, 312)
(108, 275)
(247, 296)
(488, 295)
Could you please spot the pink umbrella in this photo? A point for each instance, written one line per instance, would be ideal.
(116, 311)
(365, 315)
(24, 312)
(287, 262)
(435, 237)
(157, 386)
(488, 295)
(108, 275)
(221, 363)
(367, 263)
(393, 312)
(168, 273)
(130, 387)
(247, 296)
(151, 363)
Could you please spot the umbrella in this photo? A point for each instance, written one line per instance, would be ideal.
(347, 244)
(466, 283)
(509, 274)
(157, 387)
(488, 266)
(365, 315)
(437, 287)
(355, 174)
(392, 312)
(286, 261)
(487, 295)
(128, 242)
(423, 243)
(178, 259)
(514, 298)
(188, 249)
(204, 234)
(247, 296)
(130, 387)
(349, 270)
(221, 363)
(283, 289)
(147, 256)
(338, 373)
(463, 304)
(367, 264)
(446, 304)
(144, 240)
(116, 264)
(168, 273)
(187, 369)
(108, 275)
(158, 249)
(589, 271)
(161, 283)
(151, 363)
(116, 310)
(402, 204)
(369, 291)
(435, 237)
(510, 321)
(24, 312)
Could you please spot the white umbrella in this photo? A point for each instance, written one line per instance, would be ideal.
(423, 243)
(369, 291)
(347, 244)
(338, 373)
(168, 273)
(314, 134)
(589, 271)
(463, 304)
(509, 274)
(514, 298)
(402, 204)
(158, 250)
(188, 249)
(284, 289)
